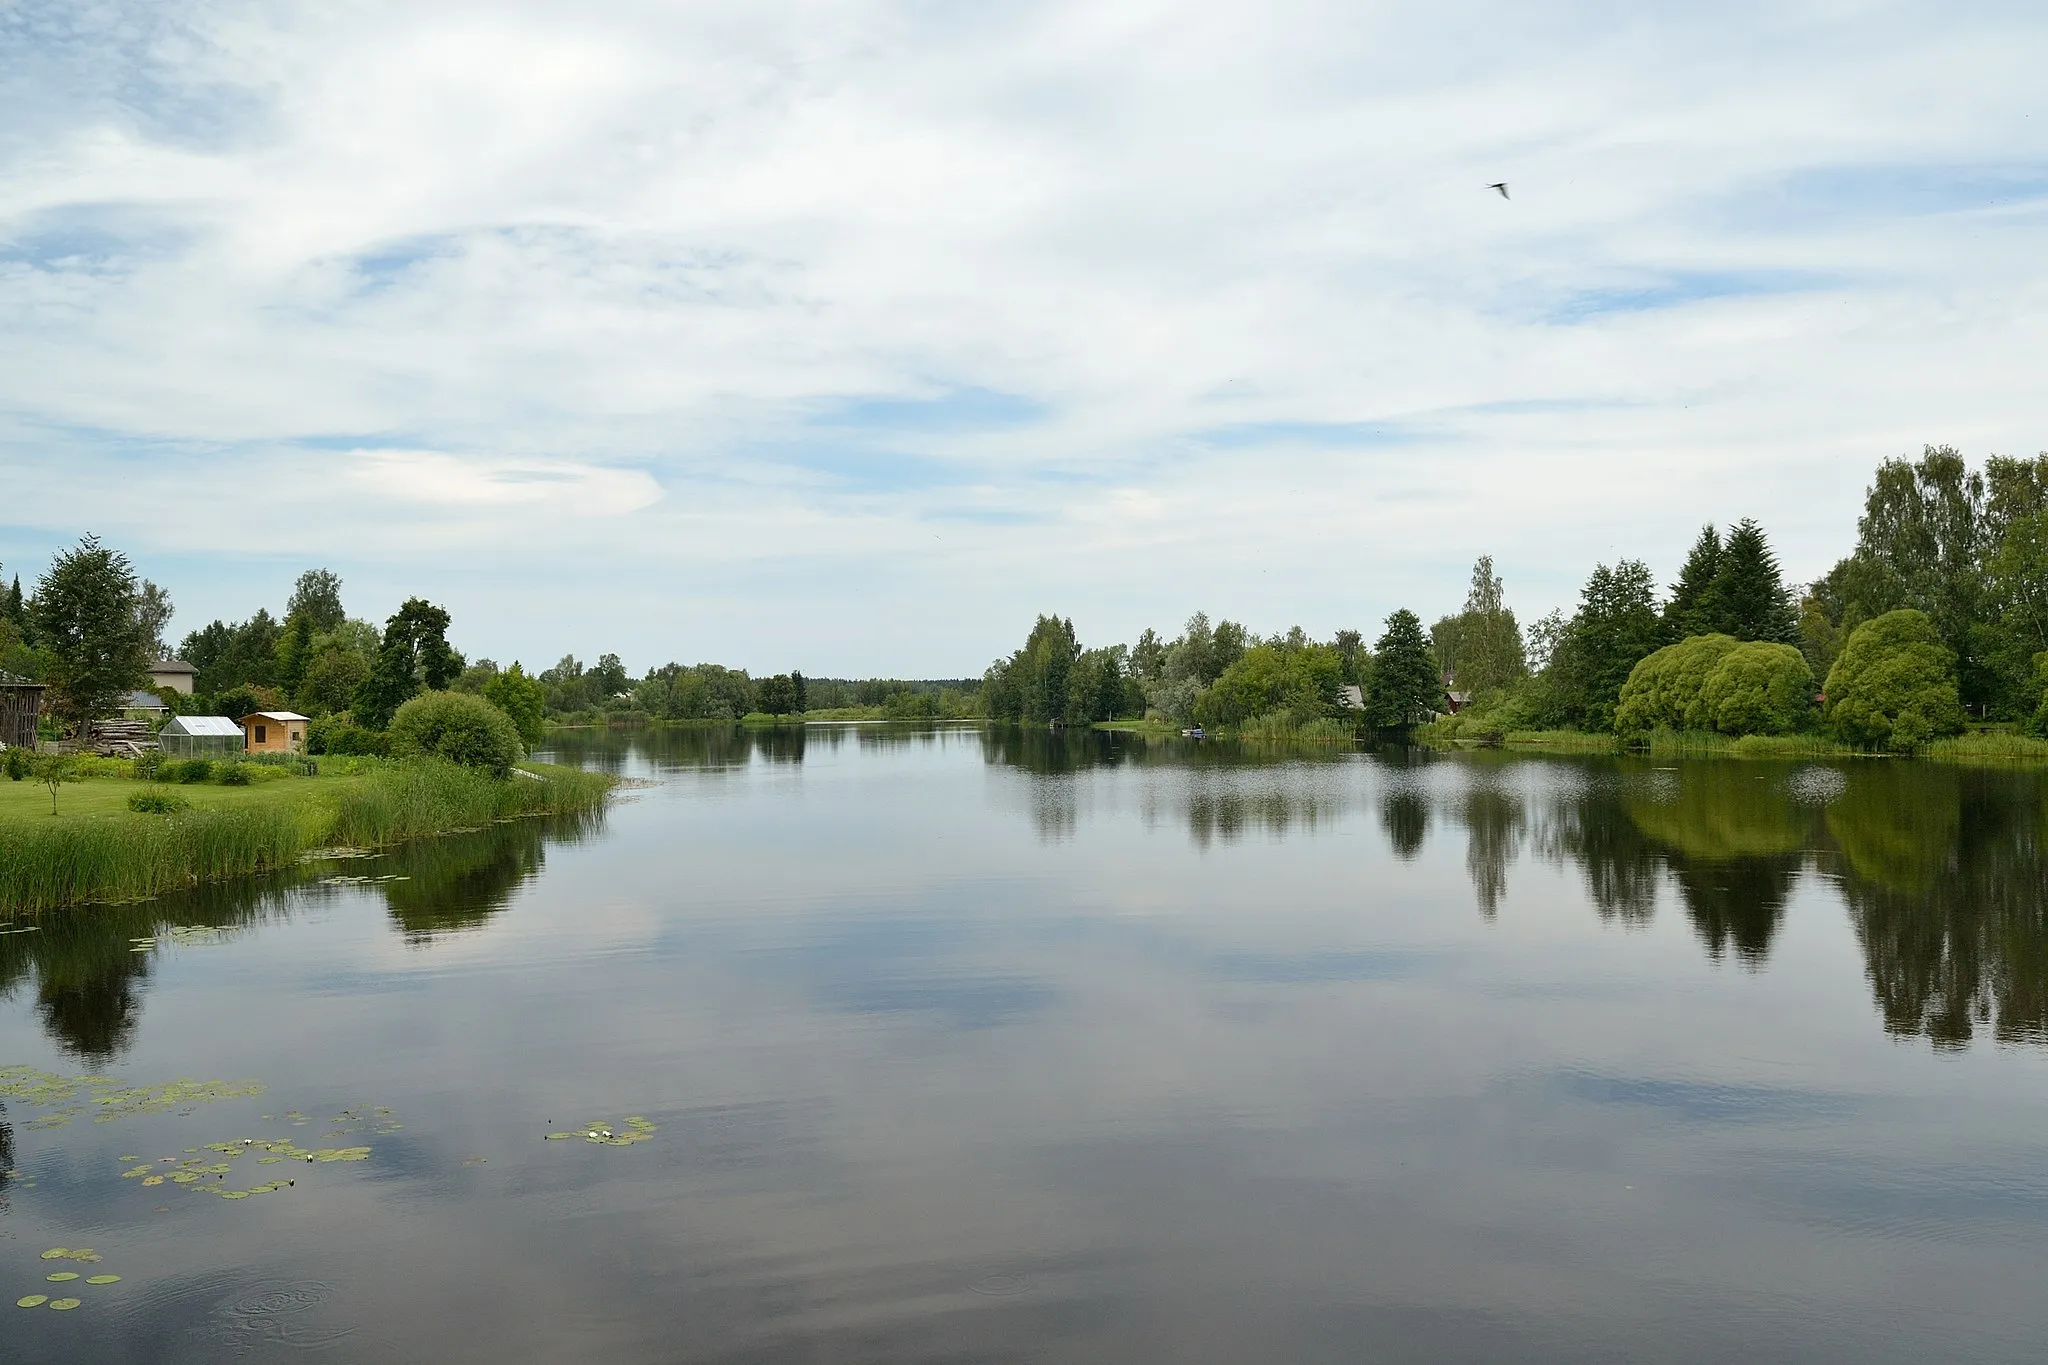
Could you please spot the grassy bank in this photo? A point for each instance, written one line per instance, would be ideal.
(1989, 746)
(96, 849)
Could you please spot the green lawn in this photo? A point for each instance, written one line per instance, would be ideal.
(108, 796)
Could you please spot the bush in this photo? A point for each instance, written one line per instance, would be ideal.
(1758, 689)
(339, 734)
(19, 763)
(234, 775)
(1663, 690)
(189, 770)
(459, 727)
(1717, 683)
(158, 801)
(1894, 685)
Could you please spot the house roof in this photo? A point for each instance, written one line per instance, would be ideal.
(145, 701)
(203, 725)
(171, 666)
(273, 715)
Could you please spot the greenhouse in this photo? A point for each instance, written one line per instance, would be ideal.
(200, 737)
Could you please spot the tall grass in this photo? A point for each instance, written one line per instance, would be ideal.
(43, 866)
(108, 858)
(1279, 726)
(1707, 744)
(1988, 746)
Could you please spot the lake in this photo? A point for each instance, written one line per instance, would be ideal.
(923, 1046)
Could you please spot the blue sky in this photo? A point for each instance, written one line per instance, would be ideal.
(849, 335)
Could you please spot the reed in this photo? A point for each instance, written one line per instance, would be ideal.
(1281, 727)
(1706, 744)
(1989, 746)
(46, 864)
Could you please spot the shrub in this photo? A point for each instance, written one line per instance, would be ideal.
(1758, 689)
(158, 801)
(339, 734)
(459, 727)
(1663, 690)
(148, 765)
(188, 771)
(19, 762)
(1894, 684)
(234, 775)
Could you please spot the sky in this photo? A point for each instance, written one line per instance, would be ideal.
(849, 336)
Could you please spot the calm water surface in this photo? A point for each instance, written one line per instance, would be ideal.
(999, 1048)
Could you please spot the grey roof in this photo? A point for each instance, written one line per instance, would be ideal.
(203, 725)
(146, 701)
(171, 666)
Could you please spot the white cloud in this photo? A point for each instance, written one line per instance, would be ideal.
(1278, 352)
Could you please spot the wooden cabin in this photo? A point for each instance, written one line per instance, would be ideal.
(274, 732)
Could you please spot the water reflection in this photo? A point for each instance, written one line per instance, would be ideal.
(89, 970)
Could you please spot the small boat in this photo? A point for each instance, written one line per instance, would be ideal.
(1193, 732)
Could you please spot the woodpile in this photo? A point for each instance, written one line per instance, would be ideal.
(122, 738)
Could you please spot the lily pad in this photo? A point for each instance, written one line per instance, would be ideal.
(103, 1279)
(31, 1300)
(64, 1305)
(61, 1276)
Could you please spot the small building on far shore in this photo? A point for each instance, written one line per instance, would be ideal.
(274, 732)
(200, 737)
(21, 701)
(175, 674)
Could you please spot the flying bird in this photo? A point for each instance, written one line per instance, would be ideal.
(1500, 185)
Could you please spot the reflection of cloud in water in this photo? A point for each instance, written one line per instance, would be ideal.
(1816, 785)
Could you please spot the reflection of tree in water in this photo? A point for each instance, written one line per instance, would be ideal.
(89, 981)
(1735, 843)
(1493, 821)
(1586, 825)
(6, 1157)
(1404, 815)
(1947, 887)
(460, 882)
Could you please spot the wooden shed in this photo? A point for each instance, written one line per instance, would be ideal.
(274, 732)
(21, 701)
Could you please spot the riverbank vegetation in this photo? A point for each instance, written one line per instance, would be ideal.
(98, 849)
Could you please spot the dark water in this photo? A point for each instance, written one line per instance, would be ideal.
(976, 1048)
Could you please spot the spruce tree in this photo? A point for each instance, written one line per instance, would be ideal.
(1748, 595)
(1406, 687)
(85, 616)
(1692, 609)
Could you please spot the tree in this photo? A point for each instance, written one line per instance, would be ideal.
(1032, 685)
(777, 695)
(294, 653)
(1405, 685)
(317, 598)
(608, 678)
(520, 697)
(87, 620)
(153, 612)
(1616, 626)
(1275, 678)
(1894, 686)
(1748, 599)
(457, 727)
(54, 770)
(1663, 690)
(1489, 652)
(414, 656)
(796, 681)
(1760, 688)
(1692, 609)
(331, 680)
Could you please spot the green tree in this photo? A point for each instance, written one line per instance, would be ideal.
(331, 680)
(1616, 626)
(317, 597)
(1693, 609)
(1760, 688)
(457, 727)
(1663, 691)
(87, 622)
(1275, 678)
(153, 611)
(413, 657)
(1894, 686)
(1032, 685)
(1405, 685)
(1489, 642)
(294, 653)
(777, 695)
(608, 678)
(796, 680)
(1748, 599)
(54, 770)
(520, 697)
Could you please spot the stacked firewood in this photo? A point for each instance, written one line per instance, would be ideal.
(122, 738)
